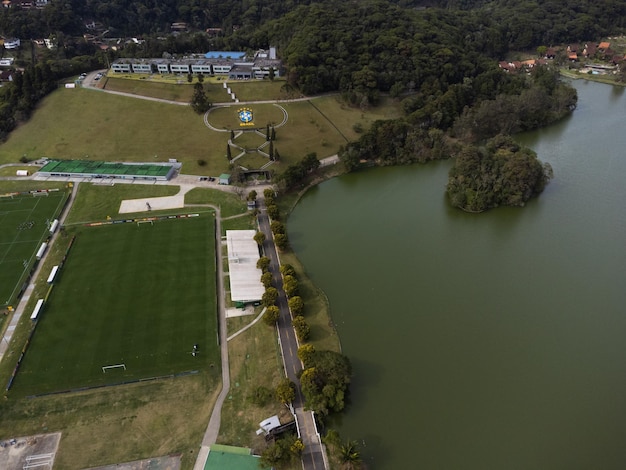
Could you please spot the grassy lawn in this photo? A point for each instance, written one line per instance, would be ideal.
(316, 308)
(239, 223)
(306, 131)
(96, 202)
(118, 424)
(155, 418)
(28, 185)
(24, 221)
(249, 140)
(101, 126)
(229, 203)
(166, 87)
(11, 170)
(258, 90)
(254, 362)
(345, 117)
(151, 298)
(227, 117)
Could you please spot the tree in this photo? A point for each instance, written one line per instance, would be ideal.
(263, 263)
(189, 77)
(271, 315)
(290, 285)
(267, 132)
(277, 227)
(273, 212)
(259, 237)
(305, 352)
(350, 456)
(199, 101)
(200, 78)
(273, 135)
(325, 381)
(287, 270)
(269, 297)
(232, 135)
(296, 305)
(286, 391)
(303, 330)
(281, 241)
(271, 74)
(228, 153)
(266, 279)
(251, 195)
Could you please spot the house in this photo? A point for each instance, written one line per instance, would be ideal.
(573, 48)
(604, 46)
(224, 179)
(572, 56)
(550, 53)
(590, 50)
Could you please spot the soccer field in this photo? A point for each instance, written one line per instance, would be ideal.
(139, 295)
(24, 225)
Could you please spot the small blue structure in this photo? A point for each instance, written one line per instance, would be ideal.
(224, 55)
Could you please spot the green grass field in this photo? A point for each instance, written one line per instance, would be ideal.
(139, 295)
(24, 227)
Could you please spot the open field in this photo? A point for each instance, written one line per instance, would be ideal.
(86, 124)
(255, 364)
(226, 117)
(97, 202)
(100, 126)
(139, 295)
(175, 88)
(259, 90)
(229, 203)
(345, 117)
(11, 170)
(25, 226)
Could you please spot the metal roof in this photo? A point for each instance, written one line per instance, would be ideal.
(245, 277)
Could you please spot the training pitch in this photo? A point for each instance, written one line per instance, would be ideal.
(137, 295)
(24, 223)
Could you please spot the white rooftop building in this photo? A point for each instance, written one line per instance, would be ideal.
(245, 277)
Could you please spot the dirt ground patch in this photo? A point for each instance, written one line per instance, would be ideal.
(37, 451)
(171, 462)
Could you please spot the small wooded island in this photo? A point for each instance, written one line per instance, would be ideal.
(501, 173)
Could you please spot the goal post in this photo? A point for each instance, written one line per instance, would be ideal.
(114, 366)
(151, 222)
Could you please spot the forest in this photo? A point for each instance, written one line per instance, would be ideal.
(438, 57)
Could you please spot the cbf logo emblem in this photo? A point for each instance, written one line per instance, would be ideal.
(245, 117)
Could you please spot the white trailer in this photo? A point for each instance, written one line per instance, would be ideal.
(36, 310)
(41, 251)
(53, 274)
(22, 173)
(54, 225)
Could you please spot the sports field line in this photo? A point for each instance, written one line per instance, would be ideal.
(30, 260)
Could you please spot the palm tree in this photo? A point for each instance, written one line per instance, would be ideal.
(350, 456)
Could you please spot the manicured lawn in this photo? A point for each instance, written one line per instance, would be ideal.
(25, 226)
(258, 90)
(97, 202)
(230, 204)
(135, 295)
(86, 124)
(227, 117)
(166, 87)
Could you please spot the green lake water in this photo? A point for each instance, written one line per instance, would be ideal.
(489, 341)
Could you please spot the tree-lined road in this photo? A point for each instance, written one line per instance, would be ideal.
(313, 455)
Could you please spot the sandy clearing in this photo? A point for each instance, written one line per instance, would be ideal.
(156, 203)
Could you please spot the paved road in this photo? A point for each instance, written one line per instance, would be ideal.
(313, 456)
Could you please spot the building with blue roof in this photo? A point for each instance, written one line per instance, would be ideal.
(225, 55)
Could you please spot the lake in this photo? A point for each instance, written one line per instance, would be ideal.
(483, 341)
